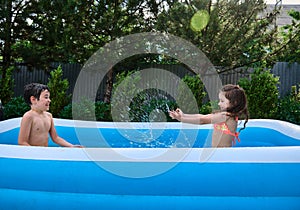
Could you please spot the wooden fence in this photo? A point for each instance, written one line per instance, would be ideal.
(289, 75)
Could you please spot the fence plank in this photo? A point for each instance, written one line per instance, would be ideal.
(289, 75)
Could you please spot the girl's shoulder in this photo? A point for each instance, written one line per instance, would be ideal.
(232, 122)
(219, 117)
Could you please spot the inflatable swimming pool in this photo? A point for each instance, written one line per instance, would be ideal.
(179, 172)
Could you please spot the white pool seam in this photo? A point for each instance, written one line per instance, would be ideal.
(287, 154)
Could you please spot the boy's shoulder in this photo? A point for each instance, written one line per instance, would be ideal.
(28, 114)
(48, 114)
(32, 114)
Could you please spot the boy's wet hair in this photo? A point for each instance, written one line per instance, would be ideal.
(35, 90)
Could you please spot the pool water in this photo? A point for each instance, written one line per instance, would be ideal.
(197, 137)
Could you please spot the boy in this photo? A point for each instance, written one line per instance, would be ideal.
(37, 123)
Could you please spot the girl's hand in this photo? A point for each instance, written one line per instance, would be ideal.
(179, 111)
(177, 114)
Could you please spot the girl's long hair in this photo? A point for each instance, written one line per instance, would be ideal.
(238, 102)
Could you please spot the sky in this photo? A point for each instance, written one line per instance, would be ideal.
(284, 1)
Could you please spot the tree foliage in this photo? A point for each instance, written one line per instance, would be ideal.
(12, 26)
(72, 30)
(38, 32)
(289, 41)
(237, 33)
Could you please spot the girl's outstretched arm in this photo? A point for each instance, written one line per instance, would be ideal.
(190, 118)
(198, 118)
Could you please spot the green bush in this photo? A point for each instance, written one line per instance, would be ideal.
(209, 107)
(58, 89)
(6, 85)
(262, 93)
(195, 84)
(150, 106)
(84, 111)
(289, 107)
(123, 87)
(132, 103)
(16, 107)
(102, 111)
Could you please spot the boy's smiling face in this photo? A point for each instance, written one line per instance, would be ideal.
(43, 103)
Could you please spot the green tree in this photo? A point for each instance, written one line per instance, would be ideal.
(12, 28)
(288, 44)
(237, 33)
(38, 32)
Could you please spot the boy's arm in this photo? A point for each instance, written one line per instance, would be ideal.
(60, 141)
(25, 127)
(57, 139)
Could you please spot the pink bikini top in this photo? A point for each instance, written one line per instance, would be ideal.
(223, 127)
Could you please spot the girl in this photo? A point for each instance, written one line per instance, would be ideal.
(233, 104)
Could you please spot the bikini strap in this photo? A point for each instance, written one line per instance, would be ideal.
(236, 136)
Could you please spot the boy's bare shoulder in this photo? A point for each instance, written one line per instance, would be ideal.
(48, 114)
(28, 115)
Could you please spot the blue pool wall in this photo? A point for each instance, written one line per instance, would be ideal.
(74, 184)
(262, 174)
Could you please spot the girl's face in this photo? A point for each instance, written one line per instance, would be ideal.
(224, 103)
